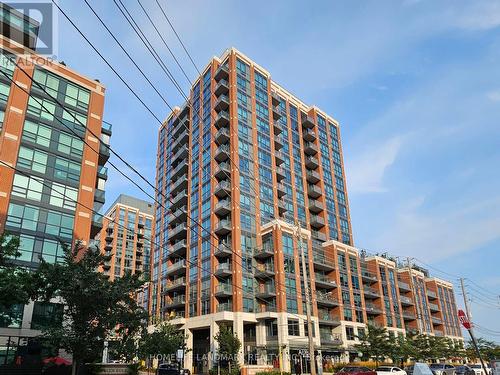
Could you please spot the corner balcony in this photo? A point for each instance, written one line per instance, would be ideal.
(317, 222)
(277, 113)
(102, 172)
(404, 286)
(370, 293)
(265, 292)
(104, 153)
(309, 135)
(264, 271)
(222, 87)
(433, 307)
(436, 321)
(314, 191)
(275, 99)
(310, 148)
(280, 188)
(368, 276)
(311, 162)
(223, 189)
(316, 206)
(372, 309)
(277, 127)
(175, 285)
(321, 263)
(180, 141)
(408, 316)
(326, 299)
(223, 270)
(325, 318)
(180, 154)
(177, 216)
(222, 103)
(180, 130)
(222, 171)
(308, 122)
(223, 228)
(263, 252)
(280, 157)
(223, 207)
(222, 120)
(177, 232)
(176, 268)
(324, 282)
(278, 142)
(281, 207)
(179, 170)
(405, 301)
(313, 177)
(227, 306)
(223, 250)
(176, 301)
(222, 136)
(99, 196)
(331, 339)
(222, 153)
(431, 294)
(280, 173)
(222, 72)
(96, 225)
(178, 249)
(224, 290)
(179, 200)
(180, 184)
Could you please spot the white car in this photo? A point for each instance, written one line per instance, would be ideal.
(478, 368)
(388, 370)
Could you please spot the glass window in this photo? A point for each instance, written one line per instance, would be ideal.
(48, 81)
(37, 133)
(41, 108)
(46, 315)
(32, 159)
(27, 187)
(77, 96)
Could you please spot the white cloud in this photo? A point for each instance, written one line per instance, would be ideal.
(494, 96)
(366, 170)
(483, 15)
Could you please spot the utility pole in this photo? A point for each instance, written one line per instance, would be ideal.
(312, 357)
(415, 296)
(470, 326)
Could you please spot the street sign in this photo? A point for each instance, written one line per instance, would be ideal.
(463, 319)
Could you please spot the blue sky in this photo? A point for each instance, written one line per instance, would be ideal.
(414, 84)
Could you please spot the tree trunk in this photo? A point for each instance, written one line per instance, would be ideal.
(74, 367)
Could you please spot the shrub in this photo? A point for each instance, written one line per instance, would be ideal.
(272, 372)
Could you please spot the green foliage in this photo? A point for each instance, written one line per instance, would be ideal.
(488, 349)
(165, 340)
(229, 345)
(95, 308)
(375, 343)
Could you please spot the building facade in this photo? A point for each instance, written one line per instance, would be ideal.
(247, 175)
(53, 147)
(126, 238)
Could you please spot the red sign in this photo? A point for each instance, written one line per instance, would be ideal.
(463, 319)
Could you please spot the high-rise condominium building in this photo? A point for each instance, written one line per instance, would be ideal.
(53, 147)
(244, 170)
(126, 237)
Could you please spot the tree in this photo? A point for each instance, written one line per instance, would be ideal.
(401, 349)
(488, 349)
(165, 340)
(375, 343)
(229, 346)
(95, 308)
(14, 281)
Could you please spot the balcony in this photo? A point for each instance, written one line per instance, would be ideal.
(106, 128)
(99, 196)
(263, 252)
(436, 321)
(102, 172)
(222, 103)
(223, 250)
(222, 87)
(176, 268)
(311, 162)
(222, 171)
(222, 153)
(106, 266)
(179, 184)
(277, 113)
(222, 72)
(314, 191)
(371, 293)
(177, 232)
(267, 307)
(307, 122)
(278, 142)
(224, 290)
(404, 286)
(108, 246)
(265, 291)
(180, 141)
(222, 119)
(317, 222)
(408, 316)
(280, 188)
(277, 127)
(372, 309)
(179, 200)
(433, 307)
(104, 153)
(175, 285)
(223, 207)
(438, 332)
(222, 136)
(405, 301)
(315, 206)
(275, 99)
(180, 154)
(175, 301)
(280, 173)
(178, 249)
(281, 207)
(313, 177)
(368, 276)
(223, 270)
(310, 148)
(280, 157)
(331, 339)
(324, 282)
(181, 130)
(431, 294)
(179, 169)
(223, 189)
(179, 215)
(96, 225)
(309, 135)
(325, 318)
(321, 263)
(264, 271)
(326, 299)
(221, 307)
(223, 227)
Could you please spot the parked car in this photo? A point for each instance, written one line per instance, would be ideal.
(419, 369)
(495, 367)
(442, 369)
(388, 370)
(464, 370)
(168, 369)
(356, 370)
(478, 368)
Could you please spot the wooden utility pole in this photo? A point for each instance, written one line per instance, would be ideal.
(312, 357)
